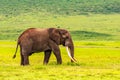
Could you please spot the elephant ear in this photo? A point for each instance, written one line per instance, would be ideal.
(63, 33)
(54, 35)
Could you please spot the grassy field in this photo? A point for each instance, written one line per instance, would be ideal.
(92, 27)
(63, 7)
(93, 24)
(85, 19)
(98, 60)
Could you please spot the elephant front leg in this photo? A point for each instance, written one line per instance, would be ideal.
(58, 56)
(46, 56)
(56, 51)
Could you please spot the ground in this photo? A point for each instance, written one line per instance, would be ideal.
(96, 60)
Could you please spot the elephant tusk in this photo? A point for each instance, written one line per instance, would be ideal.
(70, 55)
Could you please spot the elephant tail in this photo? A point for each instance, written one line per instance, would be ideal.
(14, 56)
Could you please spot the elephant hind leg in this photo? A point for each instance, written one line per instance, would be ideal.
(22, 60)
(24, 57)
(26, 60)
(47, 56)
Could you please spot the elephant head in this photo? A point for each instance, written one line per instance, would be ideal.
(63, 37)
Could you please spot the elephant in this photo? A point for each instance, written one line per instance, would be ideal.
(47, 40)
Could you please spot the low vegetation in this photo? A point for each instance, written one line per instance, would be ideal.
(93, 24)
(63, 7)
(96, 61)
(85, 19)
(92, 27)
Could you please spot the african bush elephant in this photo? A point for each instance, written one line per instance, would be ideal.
(44, 40)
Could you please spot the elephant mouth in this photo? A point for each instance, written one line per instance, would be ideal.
(69, 54)
(63, 43)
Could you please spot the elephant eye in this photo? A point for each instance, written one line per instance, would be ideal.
(66, 37)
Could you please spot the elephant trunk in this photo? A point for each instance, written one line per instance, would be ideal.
(70, 51)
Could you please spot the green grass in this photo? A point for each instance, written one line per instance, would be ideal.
(63, 7)
(93, 24)
(97, 60)
(93, 27)
(86, 19)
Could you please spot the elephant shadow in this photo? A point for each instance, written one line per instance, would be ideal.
(87, 35)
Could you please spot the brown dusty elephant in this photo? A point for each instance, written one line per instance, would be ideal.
(44, 40)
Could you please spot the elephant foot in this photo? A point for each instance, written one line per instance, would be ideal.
(45, 63)
(25, 64)
(60, 62)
